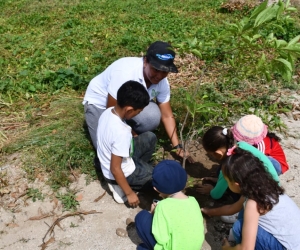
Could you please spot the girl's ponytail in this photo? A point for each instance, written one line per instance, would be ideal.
(217, 137)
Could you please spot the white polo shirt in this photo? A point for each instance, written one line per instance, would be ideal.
(115, 75)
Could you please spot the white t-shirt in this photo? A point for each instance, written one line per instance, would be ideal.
(114, 136)
(119, 72)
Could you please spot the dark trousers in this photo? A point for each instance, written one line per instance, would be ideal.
(143, 224)
(144, 147)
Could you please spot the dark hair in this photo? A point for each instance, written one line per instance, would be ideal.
(213, 139)
(274, 136)
(133, 94)
(254, 180)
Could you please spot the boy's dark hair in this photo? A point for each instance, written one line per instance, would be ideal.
(214, 139)
(274, 136)
(133, 94)
(255, 182)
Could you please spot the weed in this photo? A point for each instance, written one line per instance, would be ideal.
(73, 225)
(35, 194)
(68, 200)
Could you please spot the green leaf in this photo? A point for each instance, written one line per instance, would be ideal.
(256, 36)
(266, 15)
(196, 52)
(291, 9)
(294, 40)
(247, 26)
(268, 76)
(286, 63)
(31, 88)
(279, 27)
(262, 60)
(280, 9)
(280, 43)
(295, 49)
(259, 9)
(193, 43)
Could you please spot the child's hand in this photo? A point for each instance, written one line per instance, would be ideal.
(204, 188)
(153, 206)
(225, 244)
(206, 211)
(213, 179)
(133, 200)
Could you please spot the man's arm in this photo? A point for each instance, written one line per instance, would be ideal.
(110, 101)
(169, 123)
(115, 168)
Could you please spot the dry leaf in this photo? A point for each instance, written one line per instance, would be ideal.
(12, 225)
(44, 245)
(79, 197)
(40, 217)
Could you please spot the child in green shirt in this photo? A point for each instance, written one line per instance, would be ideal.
(174, 223)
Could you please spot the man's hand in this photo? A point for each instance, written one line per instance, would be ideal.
(184, 153)
(204, 188)
(133, 199)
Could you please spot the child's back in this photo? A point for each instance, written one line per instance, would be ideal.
(178, 224)
(114, 137)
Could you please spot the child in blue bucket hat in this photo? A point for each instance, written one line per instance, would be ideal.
(176, 221)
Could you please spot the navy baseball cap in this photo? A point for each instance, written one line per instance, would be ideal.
(161, 56)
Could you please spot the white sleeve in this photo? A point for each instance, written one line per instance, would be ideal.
(164, 91)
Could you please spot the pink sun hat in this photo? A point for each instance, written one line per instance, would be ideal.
(250, 129)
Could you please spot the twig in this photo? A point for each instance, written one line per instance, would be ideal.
(56, 222)
(293, 178)
(184, 122)
(100, 197)
(71, 169)
(3, 135)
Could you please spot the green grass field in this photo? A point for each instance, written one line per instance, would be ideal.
(50, 50)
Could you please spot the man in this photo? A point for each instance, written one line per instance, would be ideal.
(151, 71)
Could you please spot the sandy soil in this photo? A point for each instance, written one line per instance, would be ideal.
(24, 224)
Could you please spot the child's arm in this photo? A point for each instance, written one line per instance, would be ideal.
(115, 168)
(217, 191)
(250, 227)
(225, 210)
(206, 188)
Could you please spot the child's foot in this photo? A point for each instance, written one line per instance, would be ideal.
(129, 221)
(229, 218)
(118, 193)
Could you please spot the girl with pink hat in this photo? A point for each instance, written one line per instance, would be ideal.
(252, 130)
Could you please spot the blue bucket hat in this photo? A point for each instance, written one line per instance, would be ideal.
(169, 177)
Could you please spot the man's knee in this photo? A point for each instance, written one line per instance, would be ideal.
(147, 120)
(151, 137)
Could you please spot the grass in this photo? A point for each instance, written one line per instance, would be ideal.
(50, 50)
